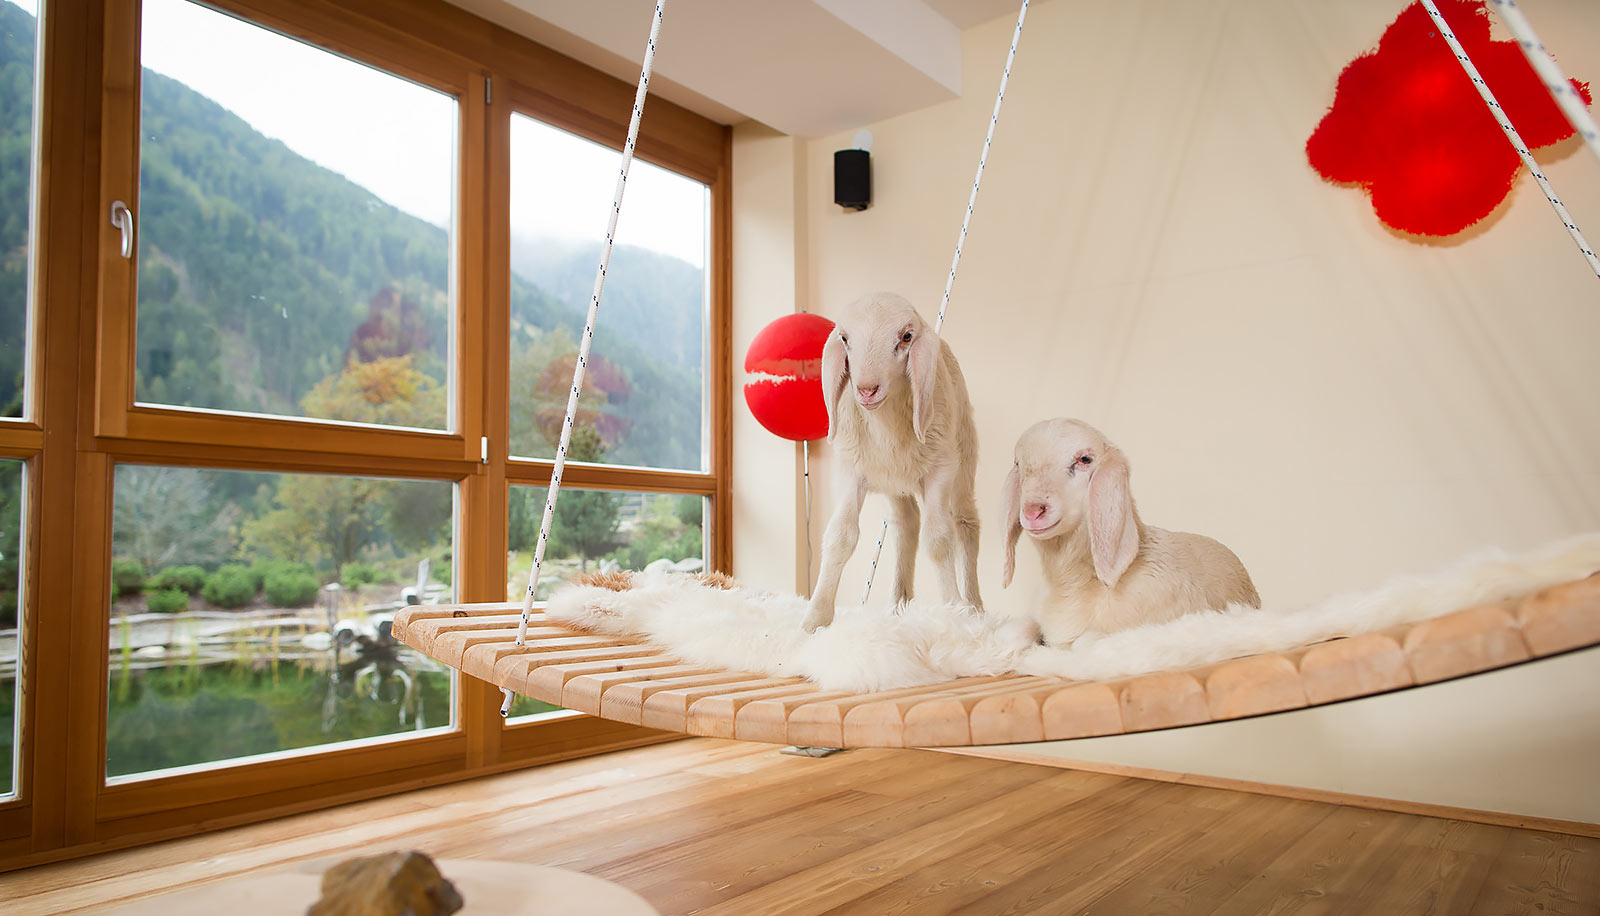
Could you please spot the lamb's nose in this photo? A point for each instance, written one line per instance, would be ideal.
(867, 394)
(1035, 511)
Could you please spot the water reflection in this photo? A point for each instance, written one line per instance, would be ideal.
(262, 686)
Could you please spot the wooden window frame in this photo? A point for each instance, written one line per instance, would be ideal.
(83, 420)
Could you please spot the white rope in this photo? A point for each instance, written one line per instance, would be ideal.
(983, 157)
(961, 240)
(588, 337)
(874, 570)
(1511, 134)
(1555, 80)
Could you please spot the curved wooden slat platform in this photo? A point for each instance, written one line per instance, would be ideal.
(632, 681)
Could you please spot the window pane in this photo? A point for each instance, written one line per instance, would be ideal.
(645, 389)
(19, 32)
(599, 530)
(11, 522)
(250, 612)
(294, 228)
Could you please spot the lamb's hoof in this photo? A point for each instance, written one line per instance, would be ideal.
(815, 620)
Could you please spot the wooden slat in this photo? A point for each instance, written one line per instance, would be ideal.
(1476, 639)
(714, 716)
(669, 709)
(584, 691)
(625, 702)
(821, 723)
(1353, 667)
(1013, 717)
(1083, 711)
(946, 721)
(480, 660)
(883, 723)
(1163, 701)
(547, 677)
(1252, 686)
(1562, 617)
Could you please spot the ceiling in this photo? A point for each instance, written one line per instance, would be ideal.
(803, 67)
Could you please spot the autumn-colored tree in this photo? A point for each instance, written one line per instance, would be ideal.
(542, 381)
(325, 517)
(388, 391)
(395, 326)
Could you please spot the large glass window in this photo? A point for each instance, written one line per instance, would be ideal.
(250, 612)
(11, 540)
(19, 42)
(599, 531)
(295, 213)
(645, 389)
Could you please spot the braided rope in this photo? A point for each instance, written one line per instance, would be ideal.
(1511, 134)
(588, 337)
(961, 240)
(1554, 79)
(983, 157)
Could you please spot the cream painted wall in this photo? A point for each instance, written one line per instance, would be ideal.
(1151, 252)
(769, 280)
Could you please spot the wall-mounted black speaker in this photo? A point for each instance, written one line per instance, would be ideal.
(852, 179)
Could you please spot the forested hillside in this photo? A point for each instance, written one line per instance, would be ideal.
(16, 143)
(264, 278)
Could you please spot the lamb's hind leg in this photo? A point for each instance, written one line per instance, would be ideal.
(838, 543)
(907, 527)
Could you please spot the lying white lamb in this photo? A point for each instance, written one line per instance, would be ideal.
(1105, 570)
(901, 424)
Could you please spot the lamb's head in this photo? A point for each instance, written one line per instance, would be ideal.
(880, 349)
(1067, 476)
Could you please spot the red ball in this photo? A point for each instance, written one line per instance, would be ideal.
(785, 365)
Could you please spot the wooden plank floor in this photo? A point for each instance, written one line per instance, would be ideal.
(708, 826)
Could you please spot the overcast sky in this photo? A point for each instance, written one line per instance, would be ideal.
(396, 138)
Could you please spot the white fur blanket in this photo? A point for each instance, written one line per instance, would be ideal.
(869, 649)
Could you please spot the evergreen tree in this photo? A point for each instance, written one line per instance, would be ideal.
(586, 521)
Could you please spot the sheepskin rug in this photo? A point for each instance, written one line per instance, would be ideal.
(872, 648)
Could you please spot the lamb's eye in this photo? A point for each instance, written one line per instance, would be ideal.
(906, 337)
(1085, 459)
(844, 339)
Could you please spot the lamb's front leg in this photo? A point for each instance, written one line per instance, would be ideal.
(838, 543)
(939, 522)
(967, 550)
(1061, 621)
(907, 527)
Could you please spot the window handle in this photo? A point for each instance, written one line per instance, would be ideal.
(122, 218)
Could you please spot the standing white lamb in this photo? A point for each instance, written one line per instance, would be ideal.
(1104, 569)
(901, 424)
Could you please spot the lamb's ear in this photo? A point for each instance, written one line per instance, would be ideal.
(1113, 527)
(922, 363)
(835, 376)
(1011, 501)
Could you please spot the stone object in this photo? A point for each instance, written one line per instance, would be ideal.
(392, 884)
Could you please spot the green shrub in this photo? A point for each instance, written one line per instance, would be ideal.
(230, 586)
(261, 569)
(355, 575)
(290, 588)
(127, 578)
(167, 600)
(189, 579)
